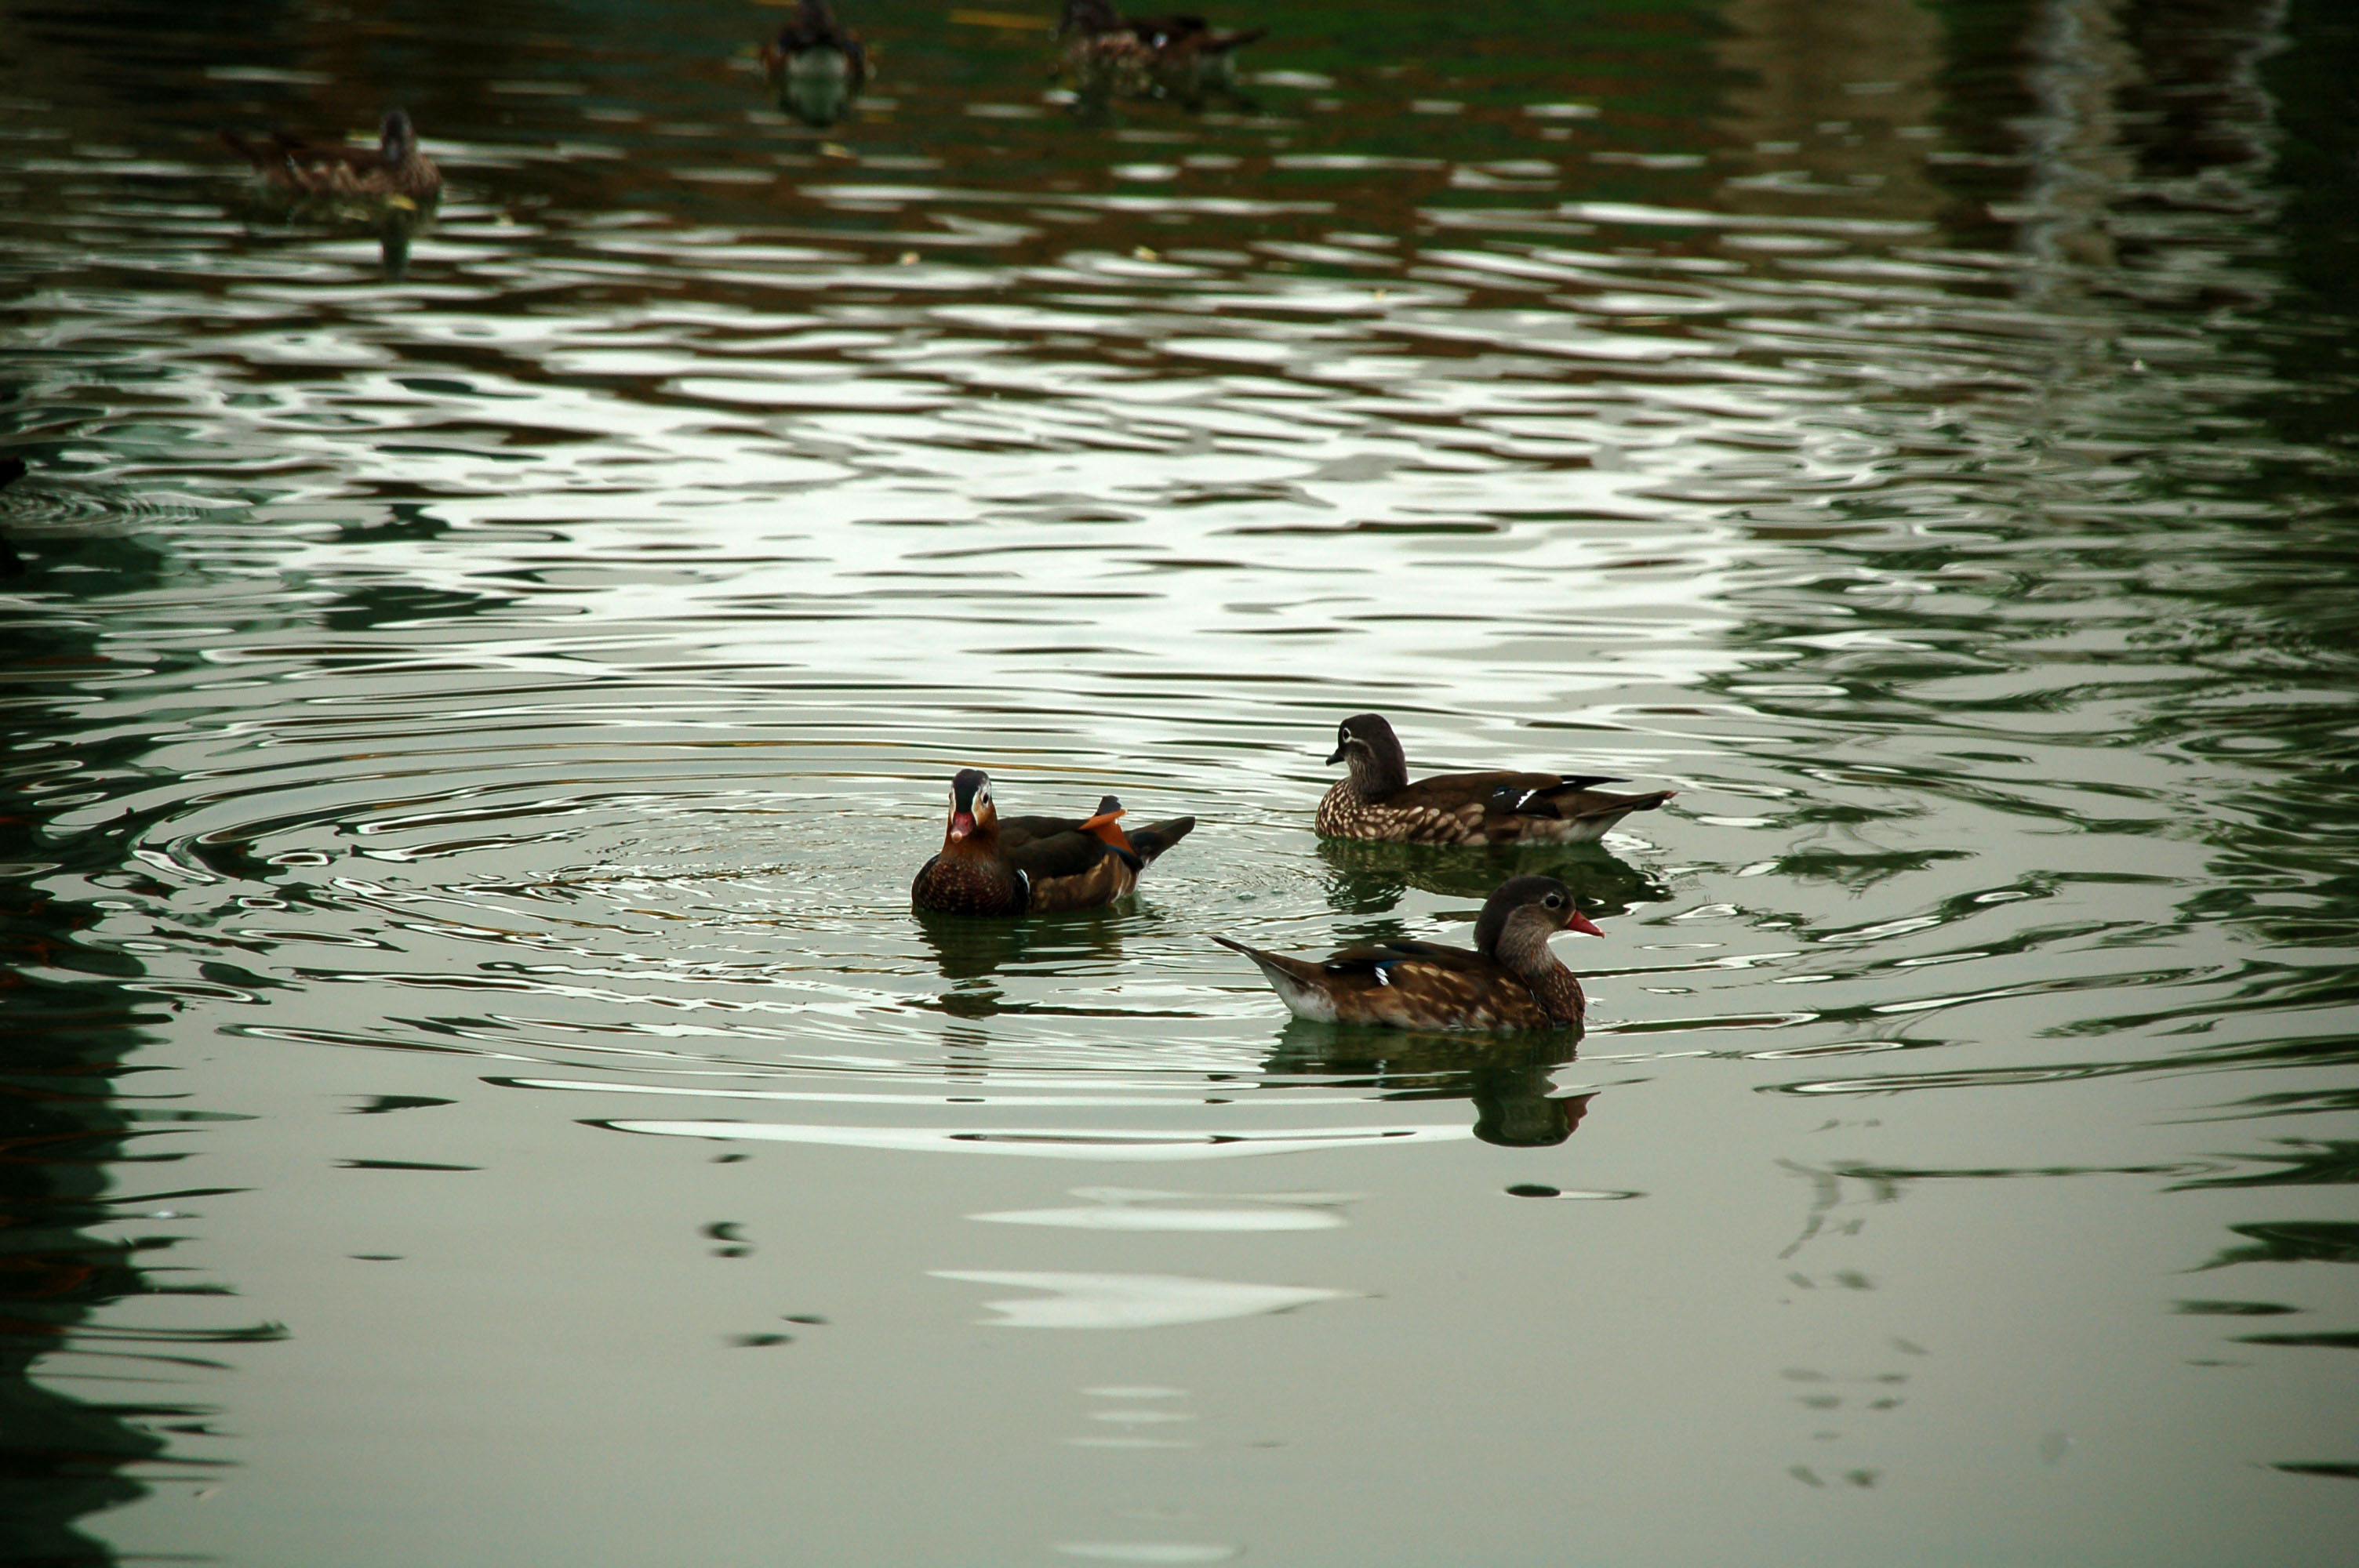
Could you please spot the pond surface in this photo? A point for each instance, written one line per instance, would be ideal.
(478, 1093)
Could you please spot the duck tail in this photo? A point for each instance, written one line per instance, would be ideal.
(1273, 968)
(1156, 837)
(1222, 43)
(1298, 985)
(1622, 803)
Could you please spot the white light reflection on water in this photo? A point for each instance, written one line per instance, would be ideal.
(1132, 1301)
(1060, 1142)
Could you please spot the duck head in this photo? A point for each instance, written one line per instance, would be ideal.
(396, 139)
(1089, 18)
(971, 814)
(1519, 918)
(1367, 742)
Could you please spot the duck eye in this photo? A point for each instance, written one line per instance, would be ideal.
(1554, 900)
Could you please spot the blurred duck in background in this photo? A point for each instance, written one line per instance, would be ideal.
(391, 187)
(1177, 56)
(394, 171)
(816, 66)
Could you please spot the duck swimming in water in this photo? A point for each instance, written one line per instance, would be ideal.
(1149, 56)
(1376, 800)
(1510, 980)
(394, 169)
(991, 864)
(817, 66)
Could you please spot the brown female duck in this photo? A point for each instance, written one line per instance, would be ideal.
(396, 168)
(991, 864)
(1376, 800)
(817, 66)
(1510, 981)
(1149, 54)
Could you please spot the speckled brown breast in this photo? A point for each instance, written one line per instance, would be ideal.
(1558, 993)
(1345, 813)
(945, 885)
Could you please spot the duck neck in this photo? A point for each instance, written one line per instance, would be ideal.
(982, 844)
(1523, 949)
(1378, 767)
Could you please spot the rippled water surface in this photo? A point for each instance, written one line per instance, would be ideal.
(475, 697)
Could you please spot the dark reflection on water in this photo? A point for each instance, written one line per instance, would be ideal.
(520, 650)
(1510, 1078)
(74, 1444)
(109, 1417)
(969, 948)
(1370, 877)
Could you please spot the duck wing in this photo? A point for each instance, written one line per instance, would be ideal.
(1560, 796)
(1375, 957)
(1045, 847)
(1572, 799)
(1166, 32)
(280, 151)
(1454, 792)
(316, 154)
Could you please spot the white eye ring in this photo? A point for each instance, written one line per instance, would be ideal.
(1554, 900)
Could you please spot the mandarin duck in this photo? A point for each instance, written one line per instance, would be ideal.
(817, 66)
(991, 864)
(1148, 57)
(1510, 981)
(1376, 800)
(394, 171)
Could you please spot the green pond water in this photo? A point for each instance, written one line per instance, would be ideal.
(478, 688)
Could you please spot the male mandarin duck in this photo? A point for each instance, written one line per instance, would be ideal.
(817, 66)
(991, 864)
(1148, 53)
(1376, 800)
(1511, 981)
(394, 169)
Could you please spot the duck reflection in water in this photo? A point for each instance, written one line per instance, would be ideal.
(1366, 877)
(1507, 1076)
(816, 66)
(970, 953)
